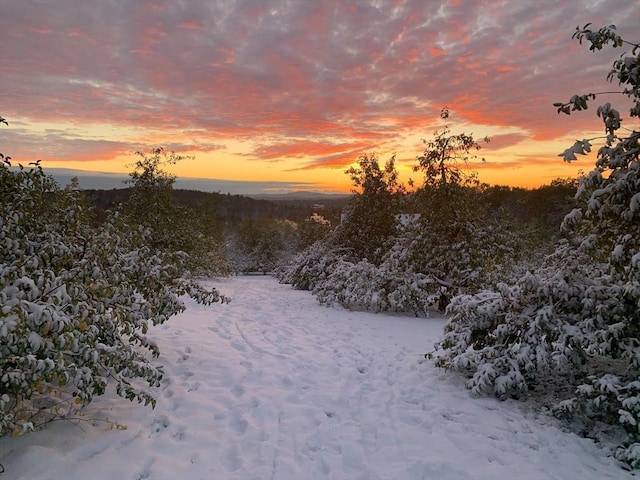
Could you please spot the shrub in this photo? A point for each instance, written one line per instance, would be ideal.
(76, 301)
(581, 310)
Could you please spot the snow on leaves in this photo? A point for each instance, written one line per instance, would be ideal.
(577, 317)
(76, 301)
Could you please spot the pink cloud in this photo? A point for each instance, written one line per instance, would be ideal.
(41, 30)
(338, 73)
(497, 142)
(190, 25)
(300, 149)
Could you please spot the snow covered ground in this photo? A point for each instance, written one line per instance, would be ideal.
(274, 386)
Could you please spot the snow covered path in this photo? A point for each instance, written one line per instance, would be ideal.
(274, 386)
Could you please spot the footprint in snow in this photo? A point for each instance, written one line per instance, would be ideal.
(184, 355)
(178, 435)
(231, 460)
(158, 425)
(238, 424)
(146, 470)
(193, 387)
(237, 391)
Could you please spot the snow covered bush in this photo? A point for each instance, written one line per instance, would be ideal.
(509, 336)
(405, 289)
(363, 285)
(76, 301)
(315, 227)
(334, 276)
(312, 266)
(579, 313)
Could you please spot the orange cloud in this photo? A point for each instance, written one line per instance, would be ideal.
(313, 84)
(302, 149)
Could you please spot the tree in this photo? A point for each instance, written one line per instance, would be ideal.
(315, 227)
(173, 228)
(579, 313)
(458, 243)
(385, 256)
(370, 222)
(444, 161)
(152, 204)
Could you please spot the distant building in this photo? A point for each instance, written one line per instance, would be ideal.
(403, 219)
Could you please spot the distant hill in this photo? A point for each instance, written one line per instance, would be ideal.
(302, 195)
(257, 189)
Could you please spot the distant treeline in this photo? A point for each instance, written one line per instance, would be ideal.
(545, 206)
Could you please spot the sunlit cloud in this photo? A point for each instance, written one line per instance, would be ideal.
(304, 148)
(498, 142)
(283, 88)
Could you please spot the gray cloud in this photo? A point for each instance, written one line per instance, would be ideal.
(337, 71)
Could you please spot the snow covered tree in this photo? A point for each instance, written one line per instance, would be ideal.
(370, 221)
(384, 256)
(457, 241)
(579, 313)
(460, 245)
(173, 227)
(343, 266)
(444, 161)
(261, 245)
(76, 301)
(313, 228)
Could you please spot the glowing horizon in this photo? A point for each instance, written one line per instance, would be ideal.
(295, 92)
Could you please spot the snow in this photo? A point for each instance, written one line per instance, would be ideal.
(275, 386)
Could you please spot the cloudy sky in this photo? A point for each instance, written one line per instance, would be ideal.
(291, 92)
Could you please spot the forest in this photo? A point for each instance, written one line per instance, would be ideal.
(541, 287)
(262, 234)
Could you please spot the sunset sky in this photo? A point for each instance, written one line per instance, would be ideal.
(286, 94)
